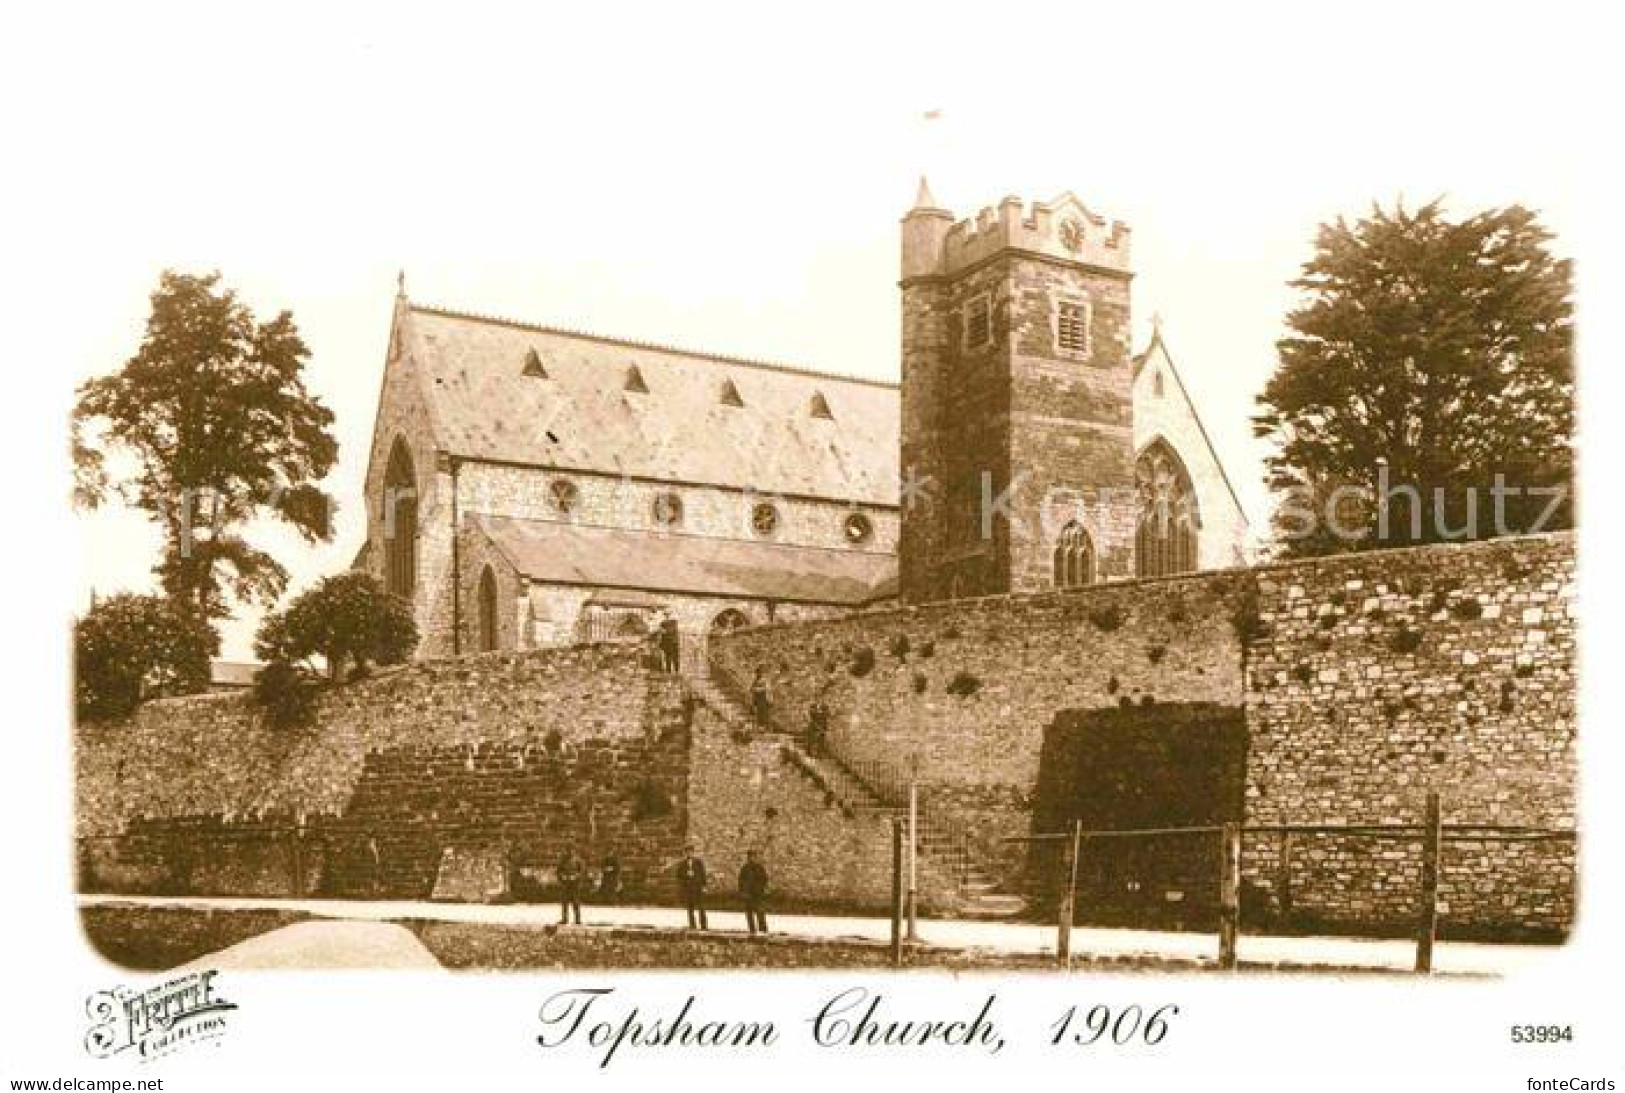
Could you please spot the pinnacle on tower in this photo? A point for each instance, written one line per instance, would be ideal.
(924, 199)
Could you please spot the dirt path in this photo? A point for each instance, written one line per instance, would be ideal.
(328, 943)
(1326, 953)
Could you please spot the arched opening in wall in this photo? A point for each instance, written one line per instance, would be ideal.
(488, 611)
(726, 620)
(730, 618)
(1074, 557)
(400, 523)
(1165, 540)
(631, 625)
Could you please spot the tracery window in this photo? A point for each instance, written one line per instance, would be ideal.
(1165, 541)
(1074, 557)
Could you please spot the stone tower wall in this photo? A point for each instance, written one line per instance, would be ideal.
(1007, 440)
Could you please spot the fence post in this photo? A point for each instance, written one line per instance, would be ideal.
(1428, 921)
(1229, 893)
(296, 863)
(913, 857)
(896, 893)
(1283, 879)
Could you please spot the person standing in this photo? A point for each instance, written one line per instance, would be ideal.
(761, 699)
(570, 874)
(691, 886)
(609, 879)
(817, 722)
(753, 887)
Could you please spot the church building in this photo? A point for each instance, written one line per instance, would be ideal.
(531, 486)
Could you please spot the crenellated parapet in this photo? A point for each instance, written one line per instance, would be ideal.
(1065, 229)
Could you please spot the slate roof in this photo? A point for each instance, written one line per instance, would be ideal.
(611, 558)
(582, 417)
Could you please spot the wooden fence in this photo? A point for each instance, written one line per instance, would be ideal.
(1431, 833)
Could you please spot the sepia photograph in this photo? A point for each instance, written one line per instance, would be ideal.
(1024, 535)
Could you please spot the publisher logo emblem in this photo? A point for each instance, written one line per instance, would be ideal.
(156, 1021)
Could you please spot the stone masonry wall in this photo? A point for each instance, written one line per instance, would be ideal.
(404, 416)
(955, 413)
(1380, 677)
(1071, 423)
(1367, 679)
(745, 794)
(1027, 658)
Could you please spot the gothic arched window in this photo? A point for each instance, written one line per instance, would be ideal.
(400, 518)
(1074, 557)
(488, 611)
(1166, 539)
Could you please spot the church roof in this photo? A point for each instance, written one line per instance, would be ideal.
(518, 393)
(611, 558)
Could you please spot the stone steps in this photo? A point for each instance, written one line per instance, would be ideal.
(942, 852)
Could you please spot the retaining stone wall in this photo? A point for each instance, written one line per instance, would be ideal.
(510, 754)
(1365, 680)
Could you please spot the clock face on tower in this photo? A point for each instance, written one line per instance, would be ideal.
(1072, 235)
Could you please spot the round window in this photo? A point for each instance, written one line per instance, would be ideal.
(858, 528)
(668, 509)
(564, 493)
(764, 519)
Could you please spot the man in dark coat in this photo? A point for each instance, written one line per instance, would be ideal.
(817, 722)
(570, 874)
(753, 887)
(691, 886)
(609, 879)
(761, 700)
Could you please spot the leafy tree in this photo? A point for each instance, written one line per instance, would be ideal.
(128, 648)
(1430, 356)
(346, 620)
(214, 410)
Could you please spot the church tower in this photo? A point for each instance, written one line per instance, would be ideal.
(1017, 432)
